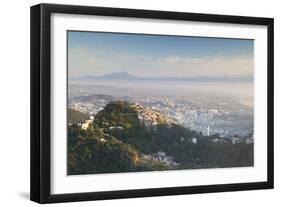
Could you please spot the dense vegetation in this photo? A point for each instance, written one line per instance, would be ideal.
(119, 113)
(116, 141)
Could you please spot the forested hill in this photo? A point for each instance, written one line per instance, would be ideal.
(129, 137)
(129, 115)
(119, 113)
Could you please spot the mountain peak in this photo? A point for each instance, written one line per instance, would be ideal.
(118, 75)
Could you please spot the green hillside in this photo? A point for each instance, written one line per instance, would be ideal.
(118, 141)
(119, 113)
(90, 155)
(75, 116)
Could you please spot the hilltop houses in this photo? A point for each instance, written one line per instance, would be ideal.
(152, 117)
(86, 124)
(162, 157)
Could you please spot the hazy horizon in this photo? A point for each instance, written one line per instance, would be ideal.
(163, 77)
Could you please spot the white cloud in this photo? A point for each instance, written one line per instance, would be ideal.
(84, 61)
(81, 62)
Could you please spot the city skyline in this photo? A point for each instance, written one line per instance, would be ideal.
(157, 55)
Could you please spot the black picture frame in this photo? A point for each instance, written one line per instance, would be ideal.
(41, 102)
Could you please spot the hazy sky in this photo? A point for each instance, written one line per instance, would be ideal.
(93, 53)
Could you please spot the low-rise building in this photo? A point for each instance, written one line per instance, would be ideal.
(86, 124)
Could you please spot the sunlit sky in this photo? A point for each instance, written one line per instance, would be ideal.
(98, 53)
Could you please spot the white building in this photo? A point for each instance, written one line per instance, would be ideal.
(86, 124)
(194, 140)
(235, 140)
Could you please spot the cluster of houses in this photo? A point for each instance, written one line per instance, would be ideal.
(85, 125)
(193, 140)
(234, 140)
(116, 127)
(162, 157)
(152, 117)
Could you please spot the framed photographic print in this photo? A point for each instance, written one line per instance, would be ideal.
(132, 103)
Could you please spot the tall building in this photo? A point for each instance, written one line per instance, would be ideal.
(76, 107)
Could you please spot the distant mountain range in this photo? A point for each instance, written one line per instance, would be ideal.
(124, 76)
